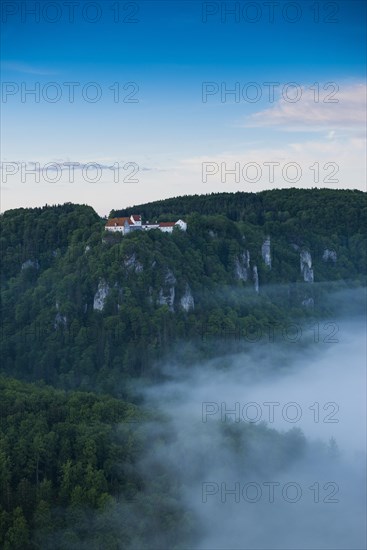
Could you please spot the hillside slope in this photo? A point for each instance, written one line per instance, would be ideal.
(82, 307)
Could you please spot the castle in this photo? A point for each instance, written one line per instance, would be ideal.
(134, 223)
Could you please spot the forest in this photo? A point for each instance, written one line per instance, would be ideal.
(87, 315)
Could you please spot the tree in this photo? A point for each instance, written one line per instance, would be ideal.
(333, 449)
(17, 537)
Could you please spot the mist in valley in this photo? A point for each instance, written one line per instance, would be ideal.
(264, 448)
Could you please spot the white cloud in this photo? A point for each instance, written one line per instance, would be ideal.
(338, 147)
(336, 108)
(340, 165)
(339, 157)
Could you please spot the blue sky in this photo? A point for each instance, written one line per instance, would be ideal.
(170, 50)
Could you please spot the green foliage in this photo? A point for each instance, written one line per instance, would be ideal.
(41, 234)
(59, 450)
(291, 210)
(69, 460)
(51, 331)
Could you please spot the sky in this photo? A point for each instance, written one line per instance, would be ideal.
(116, 103)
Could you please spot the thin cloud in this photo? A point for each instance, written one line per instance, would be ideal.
(25, 68)
(56, 165)
(347, 111)
(345, 153)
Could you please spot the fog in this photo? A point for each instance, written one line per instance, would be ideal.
(325, 381)
(259, 449)
(260, 489)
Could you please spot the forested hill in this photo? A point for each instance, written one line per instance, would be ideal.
(81, 306)
(323, 209)
(34, 233)
(92, 313)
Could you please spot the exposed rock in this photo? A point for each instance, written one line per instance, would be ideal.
(329, 255)
(295, 246)
(255, 276)
(60, 320)
(169, 278)
(87, 248)
(240, 271)
(308, 302)
(265, 252)
(101, 295)
(242, 264)
(247, 253)
(30, 263)
(187, 300)
(167, 297)
(131, 262)
(306, 266)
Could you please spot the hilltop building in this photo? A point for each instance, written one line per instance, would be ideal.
(134, 223)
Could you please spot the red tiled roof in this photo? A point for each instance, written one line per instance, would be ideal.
(112, 222)
(120, 222)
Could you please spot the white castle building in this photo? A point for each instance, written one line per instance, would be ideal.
(134, 223)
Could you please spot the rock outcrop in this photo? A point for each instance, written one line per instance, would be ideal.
(265, 252)
(242, 265)
(306, 266)
(329, 255)
(308, 302)
(187, 300)
(101, 296)
(132, 263)
(255, 277)
(30, 263)
(60, 320)
(167, 294)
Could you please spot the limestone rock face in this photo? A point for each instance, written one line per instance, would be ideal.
(255, 277)
(169, 278)
(242, 265)
(167, 294)
(265, 252)
(101, 296)
(187, 300)
(60, 320)
(246, 258)
(329, 255)
(132, 263)
(306, 266)
(167, 297)
(30, 263)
